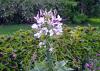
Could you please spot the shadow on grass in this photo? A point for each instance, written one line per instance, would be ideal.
(10, 29)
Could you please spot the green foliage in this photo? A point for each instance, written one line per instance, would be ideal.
(20, 7)
(16, 10)
(78, 45)
(90, 7)
(40, 67)
(79, 18)
(22, 10)
(16, 50)
(68, 9)
(59, 66)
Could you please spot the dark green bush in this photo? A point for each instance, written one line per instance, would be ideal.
(16, 10)
(80, 19)
(90, 8)
(22, 11)
(19, 51)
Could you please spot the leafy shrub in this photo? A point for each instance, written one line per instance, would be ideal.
(16, 50)
(78, 45)
(16, 10)
(80, 18)
(81, 45)
(22, 11)
(89, 7)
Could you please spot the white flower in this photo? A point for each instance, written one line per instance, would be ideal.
(35, 26)
(37, 35)
(41, 44)
(58, 31)
(51, 32)
(59, 18)
(44, 30)
(51, 49)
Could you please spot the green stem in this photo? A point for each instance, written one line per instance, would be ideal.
(49, 55)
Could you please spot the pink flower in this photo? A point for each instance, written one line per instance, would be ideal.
(39, 20)
(89, 65)
(39, 17)
(97, 54)
(41, 14)
(56, 20)
(48, 22)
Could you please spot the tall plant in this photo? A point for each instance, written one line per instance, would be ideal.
(48, 24)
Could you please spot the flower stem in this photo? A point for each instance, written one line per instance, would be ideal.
(49, 55)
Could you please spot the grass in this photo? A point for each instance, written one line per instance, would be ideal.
(10, 29)
(94, 21)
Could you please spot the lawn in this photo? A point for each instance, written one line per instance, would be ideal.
(10, 29)
(95, 21)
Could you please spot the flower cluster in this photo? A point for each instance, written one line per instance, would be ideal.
(48, 23)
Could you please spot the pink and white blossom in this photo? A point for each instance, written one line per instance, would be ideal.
(48, 22)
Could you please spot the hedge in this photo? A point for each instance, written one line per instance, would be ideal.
(19, 52)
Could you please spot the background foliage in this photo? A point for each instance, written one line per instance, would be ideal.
(21, 11)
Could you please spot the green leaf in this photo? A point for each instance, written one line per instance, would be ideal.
(40, 67)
